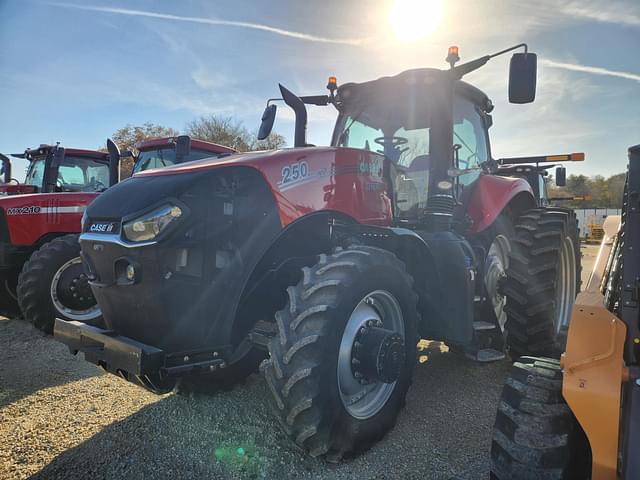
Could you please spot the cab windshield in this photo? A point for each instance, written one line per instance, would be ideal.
(75, 174)
(398, 127)
(165, 157)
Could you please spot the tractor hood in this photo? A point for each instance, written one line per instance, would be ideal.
(301, 181)
(185, 237)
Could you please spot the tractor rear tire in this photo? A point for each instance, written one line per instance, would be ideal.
(542, 282)
(36, 292)
(324, 404)
(8, 302)
(535, 435)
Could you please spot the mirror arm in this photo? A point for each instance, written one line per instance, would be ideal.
(461, 70)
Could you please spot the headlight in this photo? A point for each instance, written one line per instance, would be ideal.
(149, 226)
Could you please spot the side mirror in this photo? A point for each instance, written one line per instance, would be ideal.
(58, 156)
(5, 171)
(183, 146)
(561, 176)
(114, 162)
(268, 117)
(522, 77)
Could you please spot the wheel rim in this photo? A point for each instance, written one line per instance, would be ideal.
(363, 401)
(566, 285)
(71, 294)
(496, 267)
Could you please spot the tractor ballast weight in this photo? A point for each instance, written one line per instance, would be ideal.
(330, 262)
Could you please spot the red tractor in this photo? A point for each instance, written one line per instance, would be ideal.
(40, 220)
(331, 262)
(535, 171)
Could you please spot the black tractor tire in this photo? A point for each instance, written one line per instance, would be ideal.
(8, 302)
(223, 379)
(34, 282)
(301, 371)
(535, 434)
(533, 280)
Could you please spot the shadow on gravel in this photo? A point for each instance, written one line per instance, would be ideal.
(444, 433)
(31, 361)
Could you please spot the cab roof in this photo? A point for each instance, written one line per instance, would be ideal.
(78, 152)
(353, 92)
(155, 143)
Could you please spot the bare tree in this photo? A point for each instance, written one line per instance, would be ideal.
(127, 137)
(232, 133)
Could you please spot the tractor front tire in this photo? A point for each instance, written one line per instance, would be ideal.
(542, 282)
(535, 435)
(327, 335)
(8, 302)
(46, 287)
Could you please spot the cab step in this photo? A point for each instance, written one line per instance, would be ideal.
(477, 326)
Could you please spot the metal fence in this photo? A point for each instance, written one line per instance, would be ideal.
(590, 216)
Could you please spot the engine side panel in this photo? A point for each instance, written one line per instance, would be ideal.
(490, 197)
(31, 217)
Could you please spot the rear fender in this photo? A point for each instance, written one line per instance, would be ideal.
(492, 195)
(433, 260)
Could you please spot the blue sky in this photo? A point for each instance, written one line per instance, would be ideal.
(75, 71)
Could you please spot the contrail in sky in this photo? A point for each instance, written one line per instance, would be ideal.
(594, 70)
(216, 21)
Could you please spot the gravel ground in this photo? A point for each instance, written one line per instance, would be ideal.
(61, 417)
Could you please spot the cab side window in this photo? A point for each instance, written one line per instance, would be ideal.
(469, 138)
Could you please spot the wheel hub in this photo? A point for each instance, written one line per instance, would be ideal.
(378, 354)
(371, 354)
(71, 293)
(496, 267)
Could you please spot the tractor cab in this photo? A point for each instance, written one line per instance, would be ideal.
(429, 126)
(407, 119)
(54, 169)
(167, 151)
(535, 170)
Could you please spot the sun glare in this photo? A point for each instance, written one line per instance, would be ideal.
(413, 20)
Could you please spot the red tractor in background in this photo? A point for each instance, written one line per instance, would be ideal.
(331, 262)
(40, 266)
